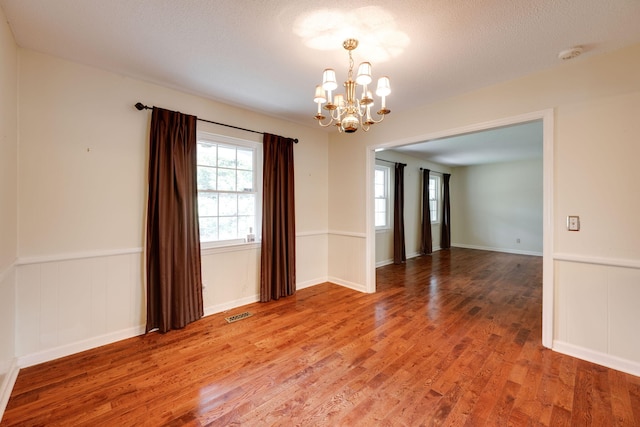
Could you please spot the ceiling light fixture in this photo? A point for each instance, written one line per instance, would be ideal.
(347, 111)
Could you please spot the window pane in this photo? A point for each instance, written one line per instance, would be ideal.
(245, 159)
(226, 180)
(246, 204)
(381, 219)
(379, 177)
(208, 204)
(206, 178)
(226, 157)
(228, 205)
(379, 191)
(381, 205)
(208, 229)
(228, 228)
(246, 224)
(207, 154)
(245, 181)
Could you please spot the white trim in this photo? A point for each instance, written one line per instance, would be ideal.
(347, 234)
(7, 271)
(77, 255)
(310, 283)
(347, 284)
(78, 346)
(383, 263)
(8, 381)
(608, 360)
(230, 305)
(370, 220)
(238, 247)
(312, 233)
(586, 259)
(489, 248)
(390, 260)
(548, 285)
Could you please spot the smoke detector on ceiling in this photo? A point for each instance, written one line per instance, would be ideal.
(570, 53)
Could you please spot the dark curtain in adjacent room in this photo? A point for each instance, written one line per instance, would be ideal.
(399, 252)
(174, 283)
(278, 255)
(445, 240)
(425, 238)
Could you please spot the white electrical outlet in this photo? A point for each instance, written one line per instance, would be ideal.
(573, 223)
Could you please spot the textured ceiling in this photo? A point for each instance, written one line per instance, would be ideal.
(503, 144)
(268, 55)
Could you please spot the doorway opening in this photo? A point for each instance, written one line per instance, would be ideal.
(546, 117)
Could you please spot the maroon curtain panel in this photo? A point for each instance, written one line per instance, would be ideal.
(425, 238)
(445, 239)
(399, 251)
(278, 253)
(174, 283)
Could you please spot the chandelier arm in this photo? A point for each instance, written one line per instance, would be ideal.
(329, 123)
(378, 121)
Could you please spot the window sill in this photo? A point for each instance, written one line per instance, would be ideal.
(212, 249)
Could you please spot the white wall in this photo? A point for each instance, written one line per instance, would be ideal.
(495, 205)
(596, 103)
(82, 199)
(8, 211)
(412, 207)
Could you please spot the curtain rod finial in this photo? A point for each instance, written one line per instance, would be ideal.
(140, 106)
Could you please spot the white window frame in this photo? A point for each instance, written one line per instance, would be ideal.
(212, 138)
(387, 190)
(437, 180)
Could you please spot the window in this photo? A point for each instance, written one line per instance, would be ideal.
(381, 197)
(434, 198)
(229, 180)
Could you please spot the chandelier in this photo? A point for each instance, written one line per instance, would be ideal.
(347, 111)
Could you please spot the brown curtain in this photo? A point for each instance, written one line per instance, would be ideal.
(174, 284)
(399, 253)
(445, 239)
(278, 256)
(425, 242)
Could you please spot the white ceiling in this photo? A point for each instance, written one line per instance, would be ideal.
(504, 144)
(268, 55)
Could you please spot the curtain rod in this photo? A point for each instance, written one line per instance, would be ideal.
(389, 161)
(140, 106)
(431, 170)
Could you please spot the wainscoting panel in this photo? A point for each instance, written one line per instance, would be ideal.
(60, 304)
(311, 258)
(346, 263)
(596, 312)
(67, 304)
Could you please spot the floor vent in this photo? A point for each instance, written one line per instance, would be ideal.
(237, 317)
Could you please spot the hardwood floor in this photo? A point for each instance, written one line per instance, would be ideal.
(448, 339)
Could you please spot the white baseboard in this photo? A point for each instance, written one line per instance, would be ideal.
(219, 308)
(10, 374)
(383, 263)
(351, 285)
(79, 346)
(488, 248)
(310, 283)
(608, 360)
(413, 255)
